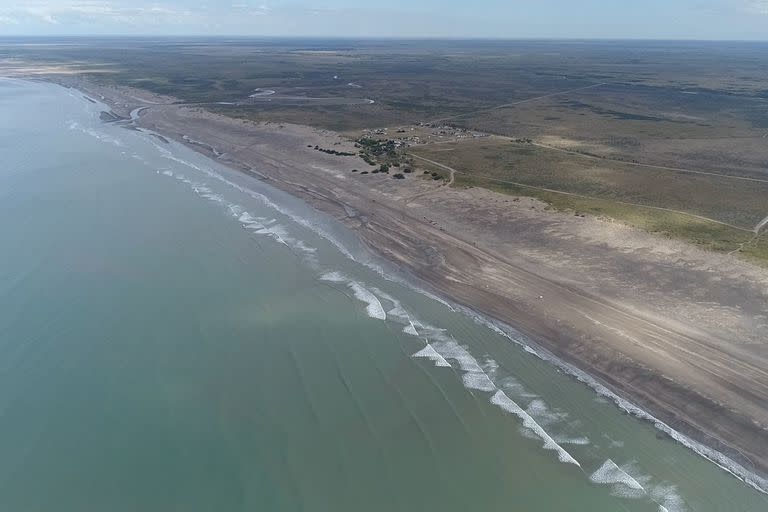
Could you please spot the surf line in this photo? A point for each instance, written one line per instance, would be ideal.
(475, 377)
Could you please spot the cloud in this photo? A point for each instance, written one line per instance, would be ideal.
(758, 6)
(131, 16)
(55, 12)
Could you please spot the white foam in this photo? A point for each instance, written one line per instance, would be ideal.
(276, 231)
(334, 277)
(302, 221)
(397, 312)
(100, 136)
(257, 225)
(453, 351)
(501, 399)
(511, 386)
(216, 198)
(429, 352)
(235, 209)
(668, 498)
(247, 218)
(302, 246)
(543, 414)
(410, 329)
(478, 381)
(374, 307)
(578, 441)
(623, 483)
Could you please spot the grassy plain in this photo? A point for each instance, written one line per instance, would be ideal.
(605, 119)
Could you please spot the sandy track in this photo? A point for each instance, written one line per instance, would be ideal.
(761, 225)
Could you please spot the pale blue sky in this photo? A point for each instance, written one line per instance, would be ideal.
(647, 19)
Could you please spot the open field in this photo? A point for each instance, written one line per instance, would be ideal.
(738, 202)
(425, 80)
(710, 131)
(719, 213)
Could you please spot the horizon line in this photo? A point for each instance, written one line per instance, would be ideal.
(380, 38)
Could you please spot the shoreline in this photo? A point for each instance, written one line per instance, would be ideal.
(414, 251)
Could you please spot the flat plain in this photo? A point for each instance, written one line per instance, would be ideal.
(668, 137)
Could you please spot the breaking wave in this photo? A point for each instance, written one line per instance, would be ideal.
(255, 225)
(502, 400)
(623, 484)
(373, 304)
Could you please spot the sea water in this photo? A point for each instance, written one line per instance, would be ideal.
(175, 335)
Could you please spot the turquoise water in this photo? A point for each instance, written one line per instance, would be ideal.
(177, 336)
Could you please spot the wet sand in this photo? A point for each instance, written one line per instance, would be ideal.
(680, 332)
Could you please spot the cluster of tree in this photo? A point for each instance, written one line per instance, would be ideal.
(377, 147)
(333, 152)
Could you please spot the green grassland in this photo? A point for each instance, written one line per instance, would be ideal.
(704, 234)
(733, 201)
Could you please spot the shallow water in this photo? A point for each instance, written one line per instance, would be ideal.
(177, 336)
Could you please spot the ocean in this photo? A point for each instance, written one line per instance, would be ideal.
(175, 335)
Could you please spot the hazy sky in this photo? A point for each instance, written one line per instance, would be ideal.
(667, 19)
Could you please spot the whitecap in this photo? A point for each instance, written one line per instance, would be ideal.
(247, 218)
(478, 381)
(543, 414)
(668, 498)
(578, 441)
(623, 484)
(430, 353)
(410, 329)
(501, 399)
(216, 198)
(374, 307)
(333, 277)
(453, 351)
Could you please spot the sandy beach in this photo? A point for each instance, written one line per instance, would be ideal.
(678, 331)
